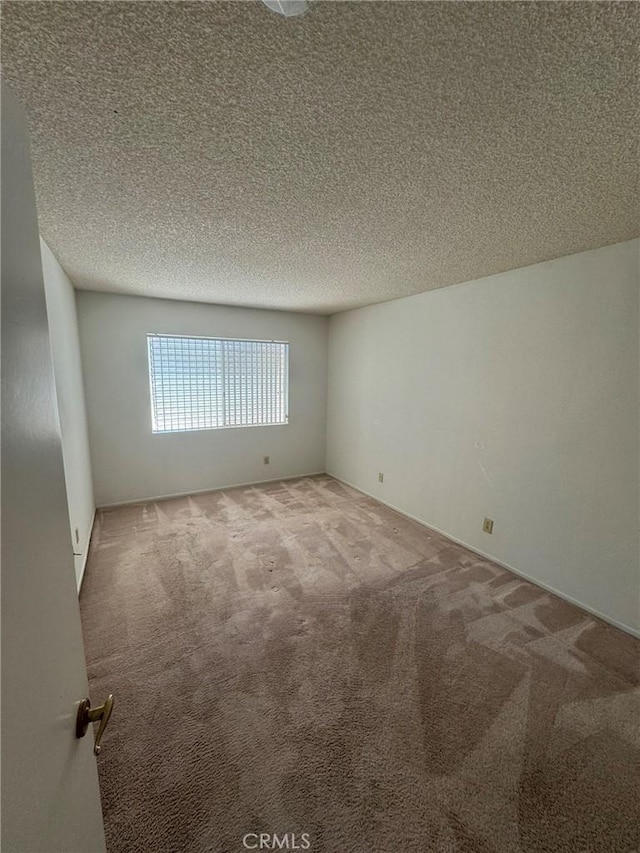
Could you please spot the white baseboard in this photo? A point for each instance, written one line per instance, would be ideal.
(86, 550)
(591, 610)
(206, 491)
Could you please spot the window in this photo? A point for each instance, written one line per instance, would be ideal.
(211, 383)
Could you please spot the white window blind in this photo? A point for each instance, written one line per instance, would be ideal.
(211, 383)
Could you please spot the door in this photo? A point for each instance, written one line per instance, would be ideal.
(50, 796)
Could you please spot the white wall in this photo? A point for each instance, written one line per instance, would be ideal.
(129, 462)
(65, 348)
(513, 397)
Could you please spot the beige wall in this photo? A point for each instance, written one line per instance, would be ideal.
(513, 397)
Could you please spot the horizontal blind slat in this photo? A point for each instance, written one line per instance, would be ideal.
(210, 383)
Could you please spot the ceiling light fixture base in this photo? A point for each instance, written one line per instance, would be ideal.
(288, 8)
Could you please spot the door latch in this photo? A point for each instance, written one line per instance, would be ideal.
(87, 714)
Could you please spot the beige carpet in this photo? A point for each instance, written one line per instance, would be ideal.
(296, 658)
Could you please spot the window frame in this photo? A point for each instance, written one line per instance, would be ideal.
(287, 359)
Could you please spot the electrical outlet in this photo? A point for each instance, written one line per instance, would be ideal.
(266, 460)
(487, 525)
(381, 478)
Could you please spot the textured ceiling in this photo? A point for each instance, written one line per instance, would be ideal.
(218, 152)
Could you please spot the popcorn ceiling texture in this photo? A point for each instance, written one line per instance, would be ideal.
(218, 152)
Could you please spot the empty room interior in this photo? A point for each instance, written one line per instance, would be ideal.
(321, 427)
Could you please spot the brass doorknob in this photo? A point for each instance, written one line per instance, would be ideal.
(87, 714)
